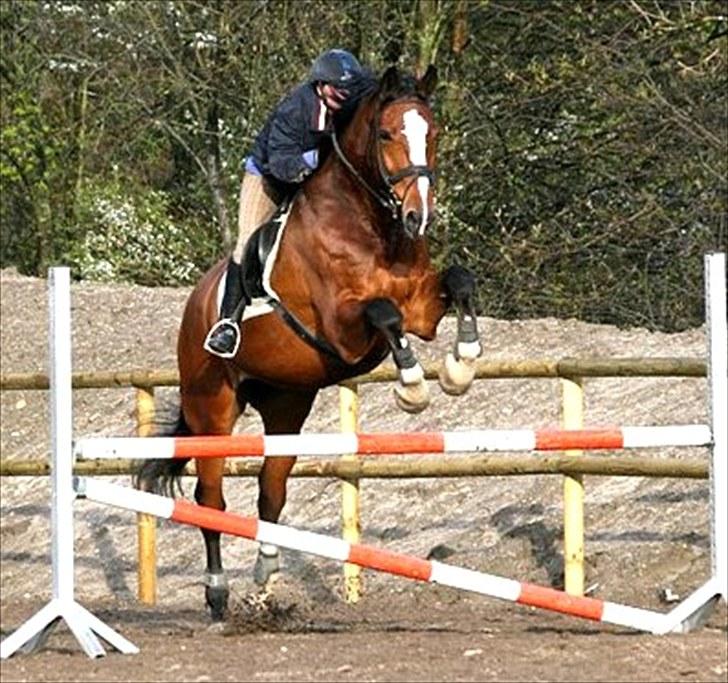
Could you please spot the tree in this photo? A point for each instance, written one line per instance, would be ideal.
(583, 146)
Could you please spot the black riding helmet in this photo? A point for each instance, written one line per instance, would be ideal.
(337, 67)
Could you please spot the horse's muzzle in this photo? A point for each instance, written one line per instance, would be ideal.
(413, 223)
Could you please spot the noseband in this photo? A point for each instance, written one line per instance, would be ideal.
(389, 200)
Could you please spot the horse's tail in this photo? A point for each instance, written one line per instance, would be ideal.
(164, 476)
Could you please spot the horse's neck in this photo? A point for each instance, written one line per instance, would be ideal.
(334, 183)
(337, 179)
(357, 146)
(346, 211)
(334, 190)
(346, 205)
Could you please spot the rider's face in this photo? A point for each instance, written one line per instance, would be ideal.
(332, 97)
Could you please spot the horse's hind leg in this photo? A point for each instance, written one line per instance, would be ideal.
(458, 370)
(282, 412)
(208, 492)
(213, 414)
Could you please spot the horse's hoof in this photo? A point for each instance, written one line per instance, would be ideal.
(412, 398)
(217, 628)
(456, 376)
(217, 600)
(265, 567)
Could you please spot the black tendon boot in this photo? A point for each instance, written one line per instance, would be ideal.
(224, 338)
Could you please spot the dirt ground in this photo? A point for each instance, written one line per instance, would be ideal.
(424, 633)
(644, 537)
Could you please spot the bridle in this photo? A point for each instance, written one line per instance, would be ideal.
(389, 199)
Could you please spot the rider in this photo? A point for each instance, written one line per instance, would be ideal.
(284, 154)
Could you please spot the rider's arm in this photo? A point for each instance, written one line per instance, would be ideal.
(286, 142)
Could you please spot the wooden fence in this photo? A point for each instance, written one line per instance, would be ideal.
(350, 469)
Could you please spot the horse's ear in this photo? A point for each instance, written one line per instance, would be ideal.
(390, 81)
(426, 85)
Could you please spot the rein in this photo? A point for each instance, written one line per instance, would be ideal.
(389, 202)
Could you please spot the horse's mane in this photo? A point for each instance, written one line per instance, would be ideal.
(367, 88)
(360, 92)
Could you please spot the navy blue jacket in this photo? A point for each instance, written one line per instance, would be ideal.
(296, 126)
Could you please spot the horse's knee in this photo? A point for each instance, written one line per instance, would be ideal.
(459, 283)
(384, 315)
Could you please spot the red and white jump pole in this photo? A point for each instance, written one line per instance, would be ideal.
(474, 441)
(185, 512)
(85, 626)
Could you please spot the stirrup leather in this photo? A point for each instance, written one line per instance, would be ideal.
(224, 322)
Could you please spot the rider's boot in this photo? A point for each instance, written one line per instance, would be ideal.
(224, 338)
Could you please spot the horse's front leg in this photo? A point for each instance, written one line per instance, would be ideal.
(458, 371)
(411, 394)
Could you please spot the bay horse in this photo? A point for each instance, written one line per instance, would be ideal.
(345, 276)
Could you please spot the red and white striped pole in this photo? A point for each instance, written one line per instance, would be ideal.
(185, 512)
(475, 441)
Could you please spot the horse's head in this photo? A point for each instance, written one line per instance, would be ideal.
(406, 138)
(390, 147)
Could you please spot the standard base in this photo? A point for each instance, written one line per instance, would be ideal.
(694, 610)
(84, 625)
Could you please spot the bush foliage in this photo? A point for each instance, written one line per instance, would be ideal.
(132, 237)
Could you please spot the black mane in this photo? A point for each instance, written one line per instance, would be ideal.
(359, 92)
(369, 86)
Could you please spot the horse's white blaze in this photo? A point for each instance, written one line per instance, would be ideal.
(415, 131)
(423, 185)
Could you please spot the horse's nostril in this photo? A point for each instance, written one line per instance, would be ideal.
(412, 221)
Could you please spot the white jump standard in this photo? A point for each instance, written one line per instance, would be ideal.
(84, 625)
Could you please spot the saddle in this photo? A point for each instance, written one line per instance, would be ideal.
(257, 250)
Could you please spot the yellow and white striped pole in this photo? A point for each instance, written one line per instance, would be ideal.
(351, 525)
(572, 397)
(146, 524)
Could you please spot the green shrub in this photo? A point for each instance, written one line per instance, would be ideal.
(134, 238)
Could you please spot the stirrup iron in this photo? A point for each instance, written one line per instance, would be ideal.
(229, 322)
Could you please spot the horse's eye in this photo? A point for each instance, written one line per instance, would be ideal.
(384, 134)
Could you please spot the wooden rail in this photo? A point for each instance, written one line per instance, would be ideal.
(472, 466)
(494, 369)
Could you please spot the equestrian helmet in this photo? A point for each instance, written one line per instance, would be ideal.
(336, 67)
